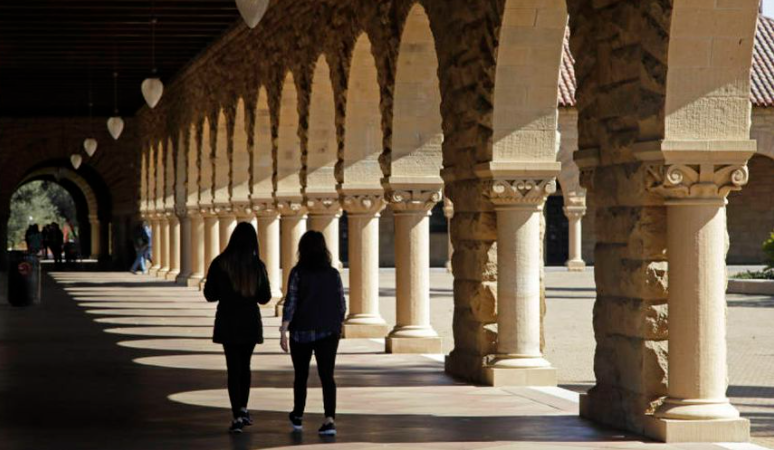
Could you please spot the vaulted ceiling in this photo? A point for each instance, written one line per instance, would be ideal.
(51, 51)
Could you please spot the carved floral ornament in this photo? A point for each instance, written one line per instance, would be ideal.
(364, 203)
(290, 207)
(415, 199)
(697, 181)
(323, 205)
(521, 191)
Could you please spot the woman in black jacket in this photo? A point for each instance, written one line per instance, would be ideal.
(313, 313)
(237, 280)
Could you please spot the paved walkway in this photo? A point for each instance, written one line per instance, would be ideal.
(114, 361)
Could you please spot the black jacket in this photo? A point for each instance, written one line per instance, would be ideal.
(318, 303)
(238, 319)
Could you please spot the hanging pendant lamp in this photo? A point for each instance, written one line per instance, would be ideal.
(152, 87)
(252, 11)
(115, 124)
(90, 145)
(76, 161)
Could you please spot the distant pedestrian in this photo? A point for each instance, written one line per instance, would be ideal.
(149, 248)
(238, 281)
(34, 239)
(141, 242)
(56, 241)
(313, 314)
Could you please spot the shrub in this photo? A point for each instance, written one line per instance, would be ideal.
(768, 250)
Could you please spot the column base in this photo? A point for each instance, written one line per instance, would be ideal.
(162, 273)
(171, 276)
(365, 330)
(526, 376)
(278, 307)
(153, 271)
(717, 430)
(576, 265)
(192, 281)
(425, 345)
(182, 279)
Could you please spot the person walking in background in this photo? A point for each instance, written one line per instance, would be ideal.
(141, 242)
(46, 235)
(313, 314)
(149, 249)
(56, 242)
(34, 239)
(238, 281)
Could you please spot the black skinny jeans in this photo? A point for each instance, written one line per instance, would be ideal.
(325, 353)
(238, 363)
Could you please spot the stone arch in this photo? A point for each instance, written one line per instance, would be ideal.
(205, 165)
(241, 159)
(262, 164)
(416, 157)
(193, 141)
(363, 135)
(288, 162)
(221, 162)
(169, 174)
(322, 145)
(63, 173)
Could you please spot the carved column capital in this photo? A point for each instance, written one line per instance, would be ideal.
(364, 204)
(323, 204)
(242, 209)
(448, 208)
(291, 207)
(416, 200)
(264, 208)
(521, 191)
(223, 209)
(574, 212)
(697, 182)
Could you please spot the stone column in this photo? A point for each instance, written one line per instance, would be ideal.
(227, 221)
(198, 239)
(575, 215)
(186, 252)
(268, 226)
(164, 250)
(174, 247)
(697, 243)
(95, 237)
(413, 332)
(156, 244)
(293, 226)
(324, 215)
(448, 212)
(364, 319)
(519, 360)
(211, 238)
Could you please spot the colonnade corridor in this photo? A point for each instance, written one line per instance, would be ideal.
(120, 361)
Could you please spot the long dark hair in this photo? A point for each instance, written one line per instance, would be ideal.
(241, 262)
(312, 251)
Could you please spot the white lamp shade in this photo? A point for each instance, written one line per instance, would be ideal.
(152, 88)
(90, 145)
(76, 161)
(115, 126)
(252, 11)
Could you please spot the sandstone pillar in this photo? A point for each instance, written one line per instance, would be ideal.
(448, 212)
(227, 221)
(413, 332)
(574, 216)
(364, 319)
(186, 250)
(519, 360)
(696, 247)
(174, 247)
(211, 239)
(324, 215)
(95, 237)
(197, 237)
(268, 227)
(293, 225)
(156, 244)
(164, 250)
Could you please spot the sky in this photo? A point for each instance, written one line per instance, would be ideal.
(768, 8)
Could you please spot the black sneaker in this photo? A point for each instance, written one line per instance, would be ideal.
(296, 421)
(246, 419)
(236, 426)
(327, 429)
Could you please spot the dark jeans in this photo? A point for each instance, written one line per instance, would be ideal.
(325, 353)
(238, 362)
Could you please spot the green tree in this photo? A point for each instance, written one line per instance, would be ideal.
(38, 202)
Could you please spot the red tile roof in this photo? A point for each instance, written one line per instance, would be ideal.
(761, 88)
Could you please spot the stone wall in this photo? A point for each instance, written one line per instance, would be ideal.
(751, 213)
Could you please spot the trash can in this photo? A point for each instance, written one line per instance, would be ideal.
(23, 278)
